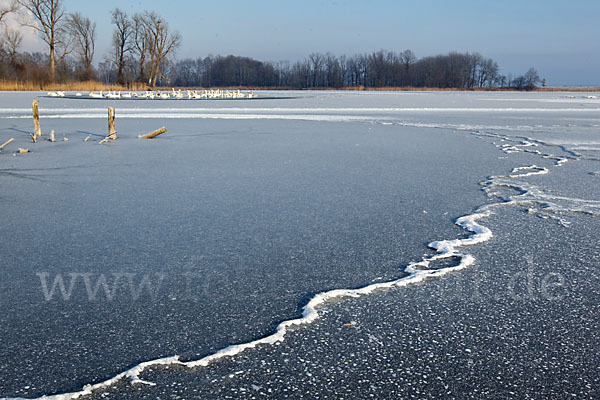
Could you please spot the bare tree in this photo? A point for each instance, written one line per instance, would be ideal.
(283, 72)
(141, 44)
(502, 81)
(354, 71)
(488, 73)
(6, 9)
(334, 73)
(317, 61)
(474, 61)
(162, 43)
(532, 78)
(407, 58)
(377, 69)
(121, 41)
(12, 41)
(83, 32)
(48, 21)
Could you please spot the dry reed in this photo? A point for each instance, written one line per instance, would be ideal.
(10, 85)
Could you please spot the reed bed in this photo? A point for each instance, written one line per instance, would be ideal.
(10, 85)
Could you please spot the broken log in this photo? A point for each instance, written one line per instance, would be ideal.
(33, 137)
(52, 136)
(23, 150)
(9, 141)
(36, 118)
(153, 134)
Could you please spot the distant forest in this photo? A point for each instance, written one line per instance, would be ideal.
(143, 49)
(376, 70)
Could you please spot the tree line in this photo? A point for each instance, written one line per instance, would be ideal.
(143, 48)
(375, 70)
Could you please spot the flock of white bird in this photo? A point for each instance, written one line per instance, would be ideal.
(164, 95)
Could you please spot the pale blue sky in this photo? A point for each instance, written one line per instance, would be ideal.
(559, 38)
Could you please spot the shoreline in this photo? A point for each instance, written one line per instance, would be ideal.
(8, 86)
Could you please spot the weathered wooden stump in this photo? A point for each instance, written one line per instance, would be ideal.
(36, 118)
(112, 131)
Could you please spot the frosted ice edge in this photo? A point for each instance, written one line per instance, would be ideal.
(444, 249)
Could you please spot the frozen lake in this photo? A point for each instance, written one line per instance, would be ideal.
(230, 223)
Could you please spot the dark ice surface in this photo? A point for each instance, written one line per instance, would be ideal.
(522, 323)
(216, 231)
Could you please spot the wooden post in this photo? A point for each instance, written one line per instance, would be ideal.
(9, 141)
(36, 118)
(112, 132)
(153, 134)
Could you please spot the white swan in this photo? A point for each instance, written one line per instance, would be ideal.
(113, 95)
(177, 93)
